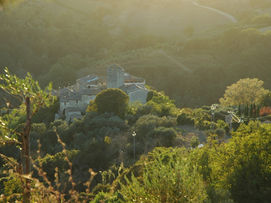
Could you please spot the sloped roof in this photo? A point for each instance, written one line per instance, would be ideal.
(67, 94)
(87, 79)
(132, 88)
(128, 78)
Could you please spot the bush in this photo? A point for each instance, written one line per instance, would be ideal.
(220, 132)
(184, 119)
(168, 176)
(240, 167)
(194, 142)
(166, 136)
(112, 100)
(146, 124)
(161, 104)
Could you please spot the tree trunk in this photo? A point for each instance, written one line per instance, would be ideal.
(26, 151)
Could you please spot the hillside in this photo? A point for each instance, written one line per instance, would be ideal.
(178, 46)
(145, 101)
(197, 72)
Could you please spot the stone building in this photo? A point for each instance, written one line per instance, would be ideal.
(115, 77)
(136, 93)
(73, 102)
(75, 99)
(133, 86)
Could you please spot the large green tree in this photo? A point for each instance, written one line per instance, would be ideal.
(112, 100)
(245, 91)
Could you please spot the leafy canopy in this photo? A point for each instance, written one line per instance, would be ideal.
(22, 88)
(244, 92)
(112, 100)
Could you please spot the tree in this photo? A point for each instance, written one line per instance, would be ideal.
(266, 99)
(244, 92)
(33, 98)
(167, 176)
(112, 100)
(245, 169)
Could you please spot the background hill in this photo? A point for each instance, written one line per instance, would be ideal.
(190, 51)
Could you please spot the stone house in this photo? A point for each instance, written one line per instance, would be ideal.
(136, 92)
(75, 99)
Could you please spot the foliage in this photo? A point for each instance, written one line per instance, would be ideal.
(184, 119)
(244, 92)
(166, 136)
(112, 101)
(46, 114)
(146, 124)
(194, 141)
(202, 119)
(235, 170)
(240, 169)
(33, 98)
(50, 162)
(22, 88)
(167, 177)
(160, 104)
(266, 99)
(106, 198)
(250, 178)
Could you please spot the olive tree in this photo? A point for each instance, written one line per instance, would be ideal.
(244, 92)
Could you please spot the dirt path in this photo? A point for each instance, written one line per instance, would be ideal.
(227, 15)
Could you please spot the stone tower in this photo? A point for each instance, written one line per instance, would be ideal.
(115, 76)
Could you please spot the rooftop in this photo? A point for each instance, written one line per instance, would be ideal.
(87, 79)
(132, 88)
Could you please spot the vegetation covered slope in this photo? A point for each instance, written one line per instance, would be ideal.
(62, 37)
(193, 67)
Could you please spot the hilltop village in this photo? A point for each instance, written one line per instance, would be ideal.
(75, 99)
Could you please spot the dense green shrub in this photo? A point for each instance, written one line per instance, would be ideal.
(112, 100)
(194, 142)
(160, 104)
(240, 169)
(50, 162)
(184, 119)
(146, 124)
(46, 114)
(266, 99)
(167, 177)
(220, 132)
(166, 136)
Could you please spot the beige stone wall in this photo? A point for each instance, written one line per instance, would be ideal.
(80, 104)
(138, 96)
(115, 77)
(70, 116)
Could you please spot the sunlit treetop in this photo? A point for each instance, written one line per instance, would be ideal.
(23, 88)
